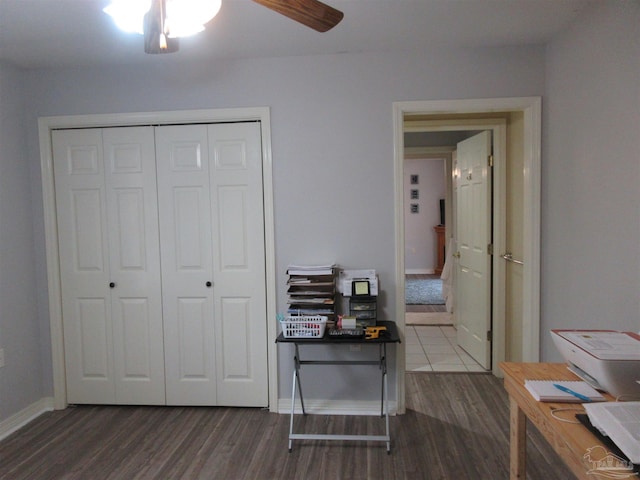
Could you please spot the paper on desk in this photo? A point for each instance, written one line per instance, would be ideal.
(620, 421)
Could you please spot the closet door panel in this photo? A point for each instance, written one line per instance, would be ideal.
(84, 265)
(239, 263)
(193, 320)
(234, 228)
(109, 256)
(236, 346)
(130, 175)
(136, 344)
(190, 237)
(192, 344)
(87, 227)
(185, 228)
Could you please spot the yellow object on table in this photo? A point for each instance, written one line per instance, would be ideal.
(373, 332)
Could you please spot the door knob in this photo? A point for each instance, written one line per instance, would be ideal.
(456, 255)
(208, 284)
(112, 285)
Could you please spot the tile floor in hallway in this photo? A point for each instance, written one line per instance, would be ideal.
(433, 349)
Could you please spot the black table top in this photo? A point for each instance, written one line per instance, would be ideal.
(390, 336)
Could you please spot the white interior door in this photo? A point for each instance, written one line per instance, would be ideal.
(108, 246)
(134, 253)
(239, 263)
(453, 284)
(473, 278)
(187, 273)
(213, 262)
(84, 265)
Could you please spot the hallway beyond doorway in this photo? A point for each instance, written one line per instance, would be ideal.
(425, 305)
(426, 314)
(434, 349)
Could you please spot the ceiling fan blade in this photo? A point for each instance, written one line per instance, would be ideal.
(312, 13)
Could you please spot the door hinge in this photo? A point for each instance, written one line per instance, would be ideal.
(490, 249)
(489, 335)
(491, 160)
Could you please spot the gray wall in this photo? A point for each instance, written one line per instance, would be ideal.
(331, 119)
(332, 130)
(332, 140)
(20, 326)
(420, 240)
(591, 172)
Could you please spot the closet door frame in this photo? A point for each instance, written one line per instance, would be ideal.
(47, 124)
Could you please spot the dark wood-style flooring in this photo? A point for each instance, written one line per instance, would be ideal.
(456, 427)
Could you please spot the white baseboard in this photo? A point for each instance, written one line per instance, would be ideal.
(20, 419)
(335, 407)
(419, 271)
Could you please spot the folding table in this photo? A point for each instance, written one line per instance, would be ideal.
(389, 336)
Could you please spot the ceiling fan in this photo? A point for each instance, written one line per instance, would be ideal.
(163, 23)
(312, 13)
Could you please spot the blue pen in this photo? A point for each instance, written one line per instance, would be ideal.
(575, 394)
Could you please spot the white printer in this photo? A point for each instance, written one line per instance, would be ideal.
(606, 359)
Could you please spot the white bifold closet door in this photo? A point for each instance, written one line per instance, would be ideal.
(161, 233)
(213, 264)
(110, 265)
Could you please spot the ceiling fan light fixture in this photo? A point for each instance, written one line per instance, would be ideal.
(182, 17)
(128, 15)
(188, 17)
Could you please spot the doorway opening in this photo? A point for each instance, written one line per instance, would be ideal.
(522, 342)
(430, 224)
(425, 184)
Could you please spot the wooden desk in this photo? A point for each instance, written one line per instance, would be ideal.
(570, 441)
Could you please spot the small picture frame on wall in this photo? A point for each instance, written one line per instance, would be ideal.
(415, 194)
(415, 208)
(414, 179)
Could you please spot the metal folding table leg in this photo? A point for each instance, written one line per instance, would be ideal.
(386, 412)
(293, 406)
(384, 401)
(297, 368)
(382, 369)
(295, 383)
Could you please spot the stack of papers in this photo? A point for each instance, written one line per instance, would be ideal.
(546, 391)
(311, 270)
(620, 421)
(311, 289)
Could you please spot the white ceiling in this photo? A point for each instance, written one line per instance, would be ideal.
(49, 33)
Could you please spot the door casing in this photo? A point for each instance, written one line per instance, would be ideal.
(531, 110)
(47, 124)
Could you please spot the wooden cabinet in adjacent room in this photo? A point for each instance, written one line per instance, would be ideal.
(440, 248)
